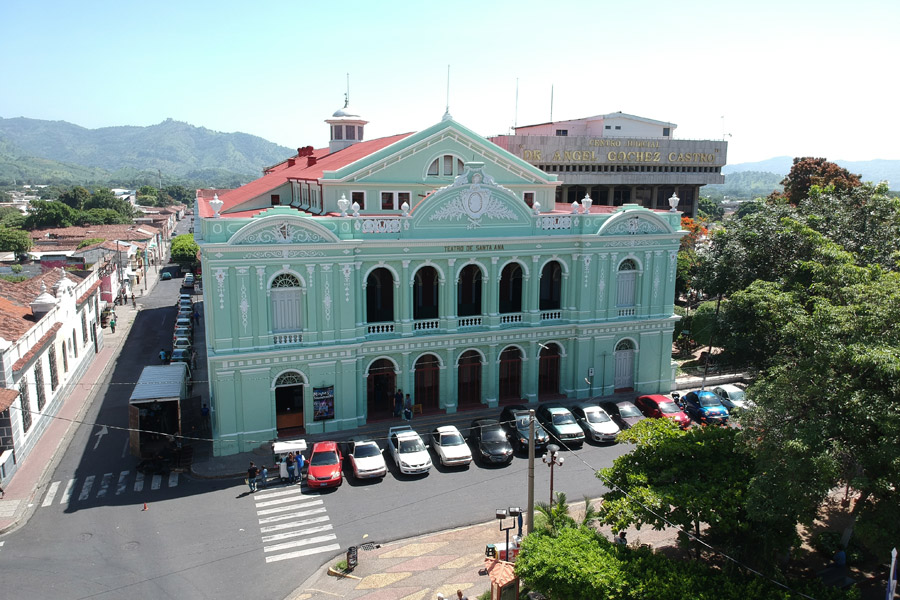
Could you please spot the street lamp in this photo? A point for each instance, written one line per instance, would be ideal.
(552, 458)
(512, 512)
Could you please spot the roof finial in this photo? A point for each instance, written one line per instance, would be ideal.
(447, 116)
(347, 95)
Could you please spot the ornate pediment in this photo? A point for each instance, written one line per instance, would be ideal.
(474, 196)
(629, 223)
(282, 229)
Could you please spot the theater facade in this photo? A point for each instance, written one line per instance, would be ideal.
(435, 262)
(620, 159)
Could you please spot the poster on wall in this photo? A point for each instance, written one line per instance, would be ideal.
(323, 403)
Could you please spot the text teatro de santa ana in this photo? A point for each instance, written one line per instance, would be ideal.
(467, 272)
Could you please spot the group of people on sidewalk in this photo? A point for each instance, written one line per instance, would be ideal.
(403, 407)
(290, 471)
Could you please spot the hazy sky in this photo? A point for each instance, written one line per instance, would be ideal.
(790, 77)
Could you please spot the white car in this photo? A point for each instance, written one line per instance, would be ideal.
(597, 425)
(366, 459)
(181, 343)
(732, 396)
(408, 451)
(450, 446)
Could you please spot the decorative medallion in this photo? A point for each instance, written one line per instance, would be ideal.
(633, 226)
(474, 200)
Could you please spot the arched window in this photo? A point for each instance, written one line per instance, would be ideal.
(551, 286)
(511, 289)
(379, 296)
(468, 292)
(510, 374)
(425, 294)
(626, 281)
(443, 166)
(285, 295)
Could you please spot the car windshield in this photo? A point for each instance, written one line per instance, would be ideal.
(366, 450)
(626, 411)
(563, 419)
(493, 434)
(320, 459)
(669, 408)
(709, 400)
(411, 446)
(737, 395)
(451, 439)
(595, 416)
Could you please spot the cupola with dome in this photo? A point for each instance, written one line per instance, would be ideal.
(346, 127)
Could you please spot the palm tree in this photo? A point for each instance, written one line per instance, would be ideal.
(556, 515)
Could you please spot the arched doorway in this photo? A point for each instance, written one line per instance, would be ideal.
(511, 289)
(427, 382)
(548, 371)
(624, 379)
(468, 292)
(469, 379)
(551, 286)
(381, 383)
(379, 296)
(511, 375)
(425, 294)
(289, 403)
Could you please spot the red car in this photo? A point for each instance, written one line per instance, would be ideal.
(657, 406)
(325, 466)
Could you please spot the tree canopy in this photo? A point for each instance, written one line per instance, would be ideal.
(15, 240)
(184, 249)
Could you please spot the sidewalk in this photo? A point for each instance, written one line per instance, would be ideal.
(27, 485)
(421, 567)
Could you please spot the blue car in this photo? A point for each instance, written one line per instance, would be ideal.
(705, 408)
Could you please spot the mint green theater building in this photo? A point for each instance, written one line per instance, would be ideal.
(435, 262)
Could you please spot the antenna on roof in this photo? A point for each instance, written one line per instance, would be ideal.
(551, 102)
(447, 116)
(347, 95)
(516, 115)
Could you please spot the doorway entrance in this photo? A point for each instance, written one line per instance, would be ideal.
(381, 383)
(289, 402)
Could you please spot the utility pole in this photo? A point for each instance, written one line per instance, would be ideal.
(530, 517)
(711, 335)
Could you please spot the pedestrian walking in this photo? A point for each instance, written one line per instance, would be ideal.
(252, 473)
(407, 408)
(163, 356)
(264, 475)
(460, 596)
(398, 402)
(290, 466)
(196, 317)
(300, 462)
(112, 324)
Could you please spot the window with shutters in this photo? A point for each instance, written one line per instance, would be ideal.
(25, 405)
(285, 295)
(626, 281)
(39, 384)
(54, 375)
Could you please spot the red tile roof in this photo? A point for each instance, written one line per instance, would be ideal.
(283, 172)
(16, 317)
(140, 231)
(82, 298)
(7, 397)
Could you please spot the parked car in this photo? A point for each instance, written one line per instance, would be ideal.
(450, 446)
(181, 355)
(165, 276)
(560, 424)
(184, 322)
(186, 304)
(185, 311)
(410, 454)
(181, 343)
(705, 407)
(657, 406)
(324, 466)
(514, 419)
(596, 424)
(732, 397)
(490, 442)
(623, 412)
(366, 459)
(183, 332)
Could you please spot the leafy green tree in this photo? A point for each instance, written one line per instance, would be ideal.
(184, 249)
(50, 213)
(105, 199)
(808, 172)
(15, 240)
(75, 197)
(102, 216)
(180, 194)
(11, 217)
(710, 210)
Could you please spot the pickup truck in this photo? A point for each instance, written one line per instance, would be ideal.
(410, 454)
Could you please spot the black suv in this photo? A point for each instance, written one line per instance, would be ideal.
(489, 442)
(514, 419)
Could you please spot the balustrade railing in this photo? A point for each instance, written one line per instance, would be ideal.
(511, 318)
(376, 225)
(426, 324)
(282, 339)
(381, 328)
(551, 315)
(468, 322)
(556, 222)
(626, 312)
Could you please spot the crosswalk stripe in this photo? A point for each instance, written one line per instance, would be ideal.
(104, 485)
(293, 534)
(51, 494)
(67, 493)
(173, 479)
(289, 492)
(299, 553)
(120, 487)
(277, 501)
(139, 482)
(286, 507)
(281, 526)
(286, 516)
(86, 488)
(296, 543)
(157, 480)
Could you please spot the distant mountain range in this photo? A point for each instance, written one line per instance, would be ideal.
(38, 151)
(57, 152)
